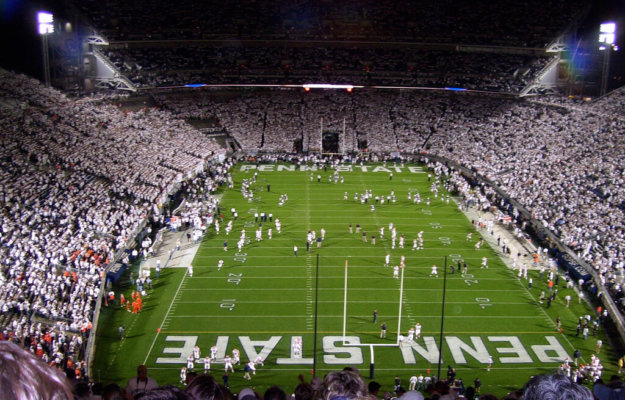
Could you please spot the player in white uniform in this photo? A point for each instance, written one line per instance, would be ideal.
(484, 263)
(411, 334)
(401, 241)
(220, 264)
(259, 360)
(190, 362)
(190, 270)
(196, 353)
(413, 382)
(434, 271)
(387, 260)
(213, 353)
(228, 364)
(207, 364)
(252, 367)
(236, 356)
(183, 375)
(417, 331)
(270, 233)
(229, 227)
(396, 271)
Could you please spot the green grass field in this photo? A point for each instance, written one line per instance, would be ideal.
(264, 297)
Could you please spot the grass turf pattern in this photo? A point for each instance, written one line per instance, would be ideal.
(263, 299)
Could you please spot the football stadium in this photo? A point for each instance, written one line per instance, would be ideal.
(313, 200)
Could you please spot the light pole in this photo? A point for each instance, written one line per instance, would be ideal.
(45, 23)
(607, 34)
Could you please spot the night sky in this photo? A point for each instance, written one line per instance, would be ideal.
(21, 45)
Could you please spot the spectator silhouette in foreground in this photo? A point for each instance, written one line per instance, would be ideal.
(554, 387)
(343, 384)
(25, 377)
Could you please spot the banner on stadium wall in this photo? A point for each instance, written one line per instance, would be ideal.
(576, 271)
(115, 272)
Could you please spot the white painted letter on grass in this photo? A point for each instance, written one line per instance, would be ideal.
(354, 354)
(249, 346)
(522, 356)
(181, 352)
(247, 167)
(429, 353)
(458, 348)
(553, 347)
(381, 169)
(416, 170)
(295, 358)
(282, 167)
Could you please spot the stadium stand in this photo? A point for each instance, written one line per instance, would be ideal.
(359, 66)
(508, 23)
(78, 180)
(363, 43)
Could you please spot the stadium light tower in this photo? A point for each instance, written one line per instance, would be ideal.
(607, 35)
(45, 23)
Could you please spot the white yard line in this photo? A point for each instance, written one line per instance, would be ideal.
(173, 300)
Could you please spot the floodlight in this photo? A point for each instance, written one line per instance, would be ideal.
(608, 27)
(45, 17)
(607, 32)
(45, 22)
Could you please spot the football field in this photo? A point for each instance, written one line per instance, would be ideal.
(268, 301)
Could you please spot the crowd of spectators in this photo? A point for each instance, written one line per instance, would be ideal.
(529, 23)
(561, 162)
(213, 64)
(77, 178)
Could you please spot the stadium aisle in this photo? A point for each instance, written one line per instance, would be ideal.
(177, 250)
(516, 245)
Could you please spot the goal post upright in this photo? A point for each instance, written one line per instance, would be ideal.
(345, 304)
(401, 295)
